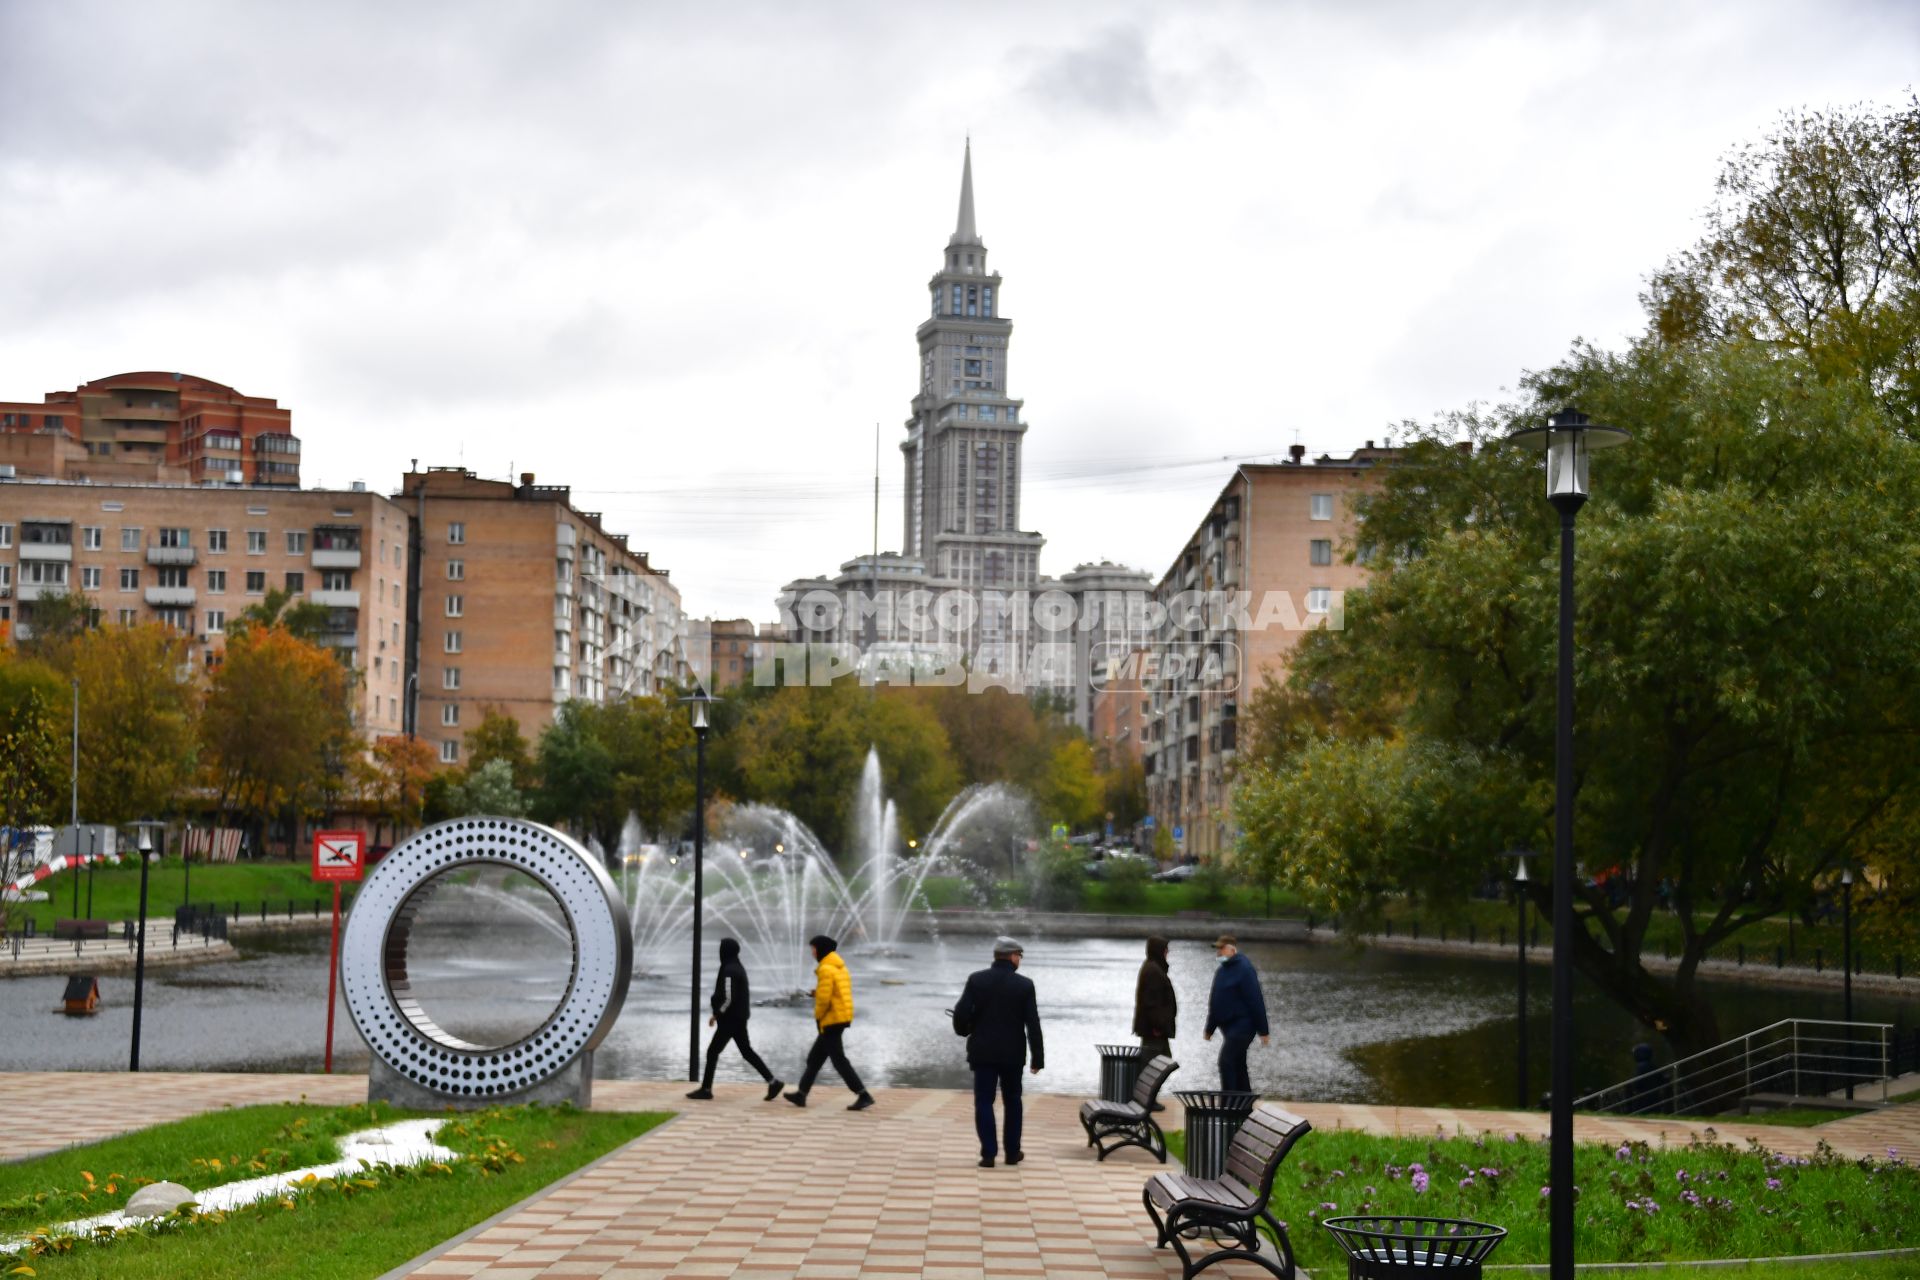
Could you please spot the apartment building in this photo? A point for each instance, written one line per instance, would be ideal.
(1265, 565)
(721, 651)
(526, 602)
(154, 427)
(195, 558)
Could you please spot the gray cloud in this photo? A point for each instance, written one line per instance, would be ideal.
(1108, 74)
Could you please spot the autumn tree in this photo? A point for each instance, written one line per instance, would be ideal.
(58, 623)
(34, 743)
(138, 704)
(277, 729)
(1070, 790)
(395, 775)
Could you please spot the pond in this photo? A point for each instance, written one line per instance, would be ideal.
(1368, 1026)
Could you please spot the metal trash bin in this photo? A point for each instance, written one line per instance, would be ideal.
(1389, 1247)
(1119, 1068)
(1213, 1117)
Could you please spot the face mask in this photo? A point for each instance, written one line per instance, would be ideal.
(1223, 959)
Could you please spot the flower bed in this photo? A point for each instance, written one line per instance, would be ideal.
(1700, 1199)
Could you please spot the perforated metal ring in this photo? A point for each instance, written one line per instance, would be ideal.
(373, 956)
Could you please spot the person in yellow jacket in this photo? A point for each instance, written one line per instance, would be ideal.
(832, 1014)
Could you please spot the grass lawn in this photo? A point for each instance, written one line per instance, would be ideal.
(116, 889)
(1636, 1204)
(1236, 901)
(334, 1231)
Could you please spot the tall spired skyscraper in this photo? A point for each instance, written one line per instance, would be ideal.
(962, 450)
(961, 539)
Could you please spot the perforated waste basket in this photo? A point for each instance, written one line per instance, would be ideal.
(1213, 1117)
(1119, 1068)
(1386, 1248)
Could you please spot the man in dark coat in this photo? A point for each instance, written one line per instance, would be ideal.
(732, 1002)
(1154, 1004)
(1000, 1018)
(1236, 1009)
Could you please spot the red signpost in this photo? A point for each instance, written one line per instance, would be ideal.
(337, 856)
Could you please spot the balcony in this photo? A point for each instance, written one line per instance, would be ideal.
(562, 622)
(335, 599)
(41, 590)
(341, 639)
(169, 597)
(50, 551)
(336, 557)
(564, 536)
(170, 555)
(128, 432)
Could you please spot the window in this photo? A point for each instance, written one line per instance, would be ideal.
(1319, 600)
(296, 583)
(128, 617)
(449, 752)
(217, 581)
(456, 606)
(90, 578)
(1322, 508)
(296, 542)
(986, 300)
(173, 578)
(396, 633)
(450, 678)
(216, 621)
(6, 535)
(256, 582)
(456, 570)
(1321, 550)
(256, 542)
(450, 643)
(336, 579)
(129, 579)
(90, 537)
(216, 539)
(955, 309)
(175, 538)
(130, 539)
(450, 714)
(457, 532)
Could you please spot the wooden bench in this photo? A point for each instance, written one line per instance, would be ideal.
(1113, 1125)
(68, 929)
(1232, 1205)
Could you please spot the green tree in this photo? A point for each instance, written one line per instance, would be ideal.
(498, 737)
(487, 789)
(34, 743)
(576, 771)
(651, 741)
(138, 707)
(1749, 607)
(56, 626)
(302, 619)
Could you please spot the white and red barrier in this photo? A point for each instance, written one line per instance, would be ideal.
(53, 867)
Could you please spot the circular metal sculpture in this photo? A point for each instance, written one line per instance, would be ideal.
(423, 1062)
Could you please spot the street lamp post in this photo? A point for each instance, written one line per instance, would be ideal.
(1520, 857)
(1846, 963)
(186, 863)
(93, 861)
(148, 856)
(1568, 439)
(699, 702)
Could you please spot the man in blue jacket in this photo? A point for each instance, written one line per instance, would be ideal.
(1237, 1010)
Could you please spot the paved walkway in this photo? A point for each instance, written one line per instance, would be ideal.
(756, 1189)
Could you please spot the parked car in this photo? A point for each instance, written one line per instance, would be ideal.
(1176, 875)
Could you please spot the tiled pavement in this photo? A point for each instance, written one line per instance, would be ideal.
(757, 1189)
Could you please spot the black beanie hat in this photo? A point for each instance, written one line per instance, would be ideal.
(823, 944)
(729, 950)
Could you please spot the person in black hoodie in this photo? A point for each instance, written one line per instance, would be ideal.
(1000, 1018)
(731, 1004)
(1154, 1004)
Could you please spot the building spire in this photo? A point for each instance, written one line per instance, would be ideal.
(964, 232)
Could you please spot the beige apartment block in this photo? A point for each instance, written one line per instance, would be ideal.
(1274, 543)
(527, 602)
(195, 558)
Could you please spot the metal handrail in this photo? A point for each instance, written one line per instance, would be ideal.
(1784, 1052)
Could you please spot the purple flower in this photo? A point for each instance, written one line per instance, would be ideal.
(1773, 1184)
(1653, 1206)
(1417, 1167)
(1633, 1206)
(1513, 1137)
(1679, 1175)
(1489, 1173)
(1339, 1173)
(1466, 1182)
(1623, 1153)
(1372, 1191)
(1545, 1192)
(1420, 1181)
(1328, 1206)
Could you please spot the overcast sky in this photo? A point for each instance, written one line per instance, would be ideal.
(675, 255)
